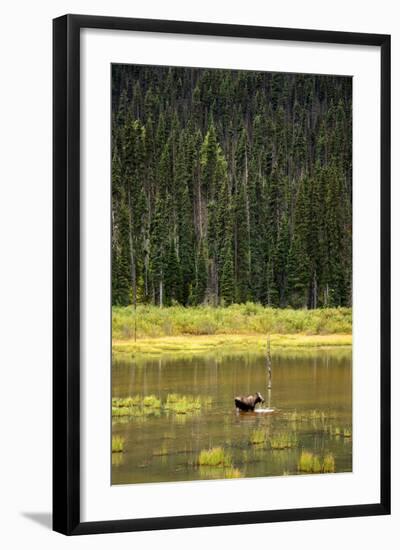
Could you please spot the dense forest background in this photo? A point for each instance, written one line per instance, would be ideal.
(231, 186)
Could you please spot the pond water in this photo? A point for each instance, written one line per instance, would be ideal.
(311, 396)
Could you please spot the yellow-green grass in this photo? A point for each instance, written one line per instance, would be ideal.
(215, 457)
(258, 437)
(126, 402)
(183, 404)
(249, 318)
(117, 444)
(152, 401)
(226, 344)
(311, 463)
(150, 404)
(283, 441)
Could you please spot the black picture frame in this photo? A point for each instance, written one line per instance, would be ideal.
(66, 273)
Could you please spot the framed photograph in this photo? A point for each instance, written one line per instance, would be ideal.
(221, 274)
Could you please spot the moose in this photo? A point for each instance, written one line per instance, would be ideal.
(248, 403)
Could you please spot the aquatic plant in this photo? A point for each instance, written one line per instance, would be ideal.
(216, 456)
(122, 411)
(117, 443)
(184, 404)
(126, 401)
(311, 463)
(283, 441)
(258, 436)
(152, 401)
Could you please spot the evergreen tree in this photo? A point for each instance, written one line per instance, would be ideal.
(230, 186)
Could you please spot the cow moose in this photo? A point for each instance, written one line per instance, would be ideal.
(248, 403)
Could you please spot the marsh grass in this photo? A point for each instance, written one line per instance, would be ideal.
(117, 444)
(215, 457)
(249, 318)
(139, 407)
(258, 437)
(283, 441)
(152, 401)
(126, 402)
(311, 463)
(183, 404)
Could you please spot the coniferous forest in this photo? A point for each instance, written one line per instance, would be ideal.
(231, 186)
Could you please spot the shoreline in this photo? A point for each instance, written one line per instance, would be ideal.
(226, 344)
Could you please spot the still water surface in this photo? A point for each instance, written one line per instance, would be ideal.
(162, 446)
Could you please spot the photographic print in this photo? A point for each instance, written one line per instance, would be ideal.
(231, 274)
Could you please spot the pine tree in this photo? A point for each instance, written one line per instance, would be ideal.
(230, 186)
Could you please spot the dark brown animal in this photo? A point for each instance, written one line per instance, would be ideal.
(248, 403)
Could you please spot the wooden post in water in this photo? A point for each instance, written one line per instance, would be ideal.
(269, 363)
(269, 371)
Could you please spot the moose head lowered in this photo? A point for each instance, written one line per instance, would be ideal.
(248, 403)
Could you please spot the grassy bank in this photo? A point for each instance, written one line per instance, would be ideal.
(155, 322)
(227, 343)
(197, 330)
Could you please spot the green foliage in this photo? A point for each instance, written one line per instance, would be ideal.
(229, 186)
